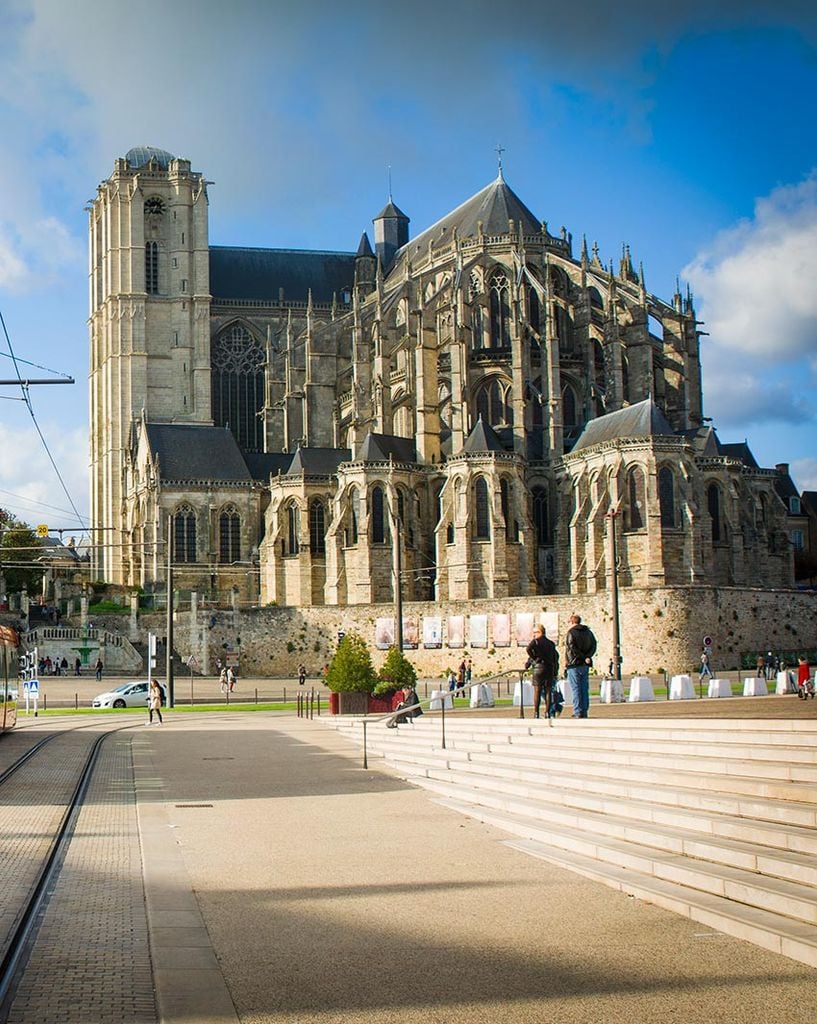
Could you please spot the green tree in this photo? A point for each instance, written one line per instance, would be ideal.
(397, 672)
(351, 668)
(19, 550)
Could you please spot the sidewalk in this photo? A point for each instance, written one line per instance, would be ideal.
(334, 894)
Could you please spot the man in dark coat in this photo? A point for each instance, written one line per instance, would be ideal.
(580, 648)
(544, 659)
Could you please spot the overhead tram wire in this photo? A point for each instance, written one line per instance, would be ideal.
(24, 385)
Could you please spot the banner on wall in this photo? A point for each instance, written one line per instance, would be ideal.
(456, 630)
(384, 633)
(411, 634)
(432, 631)
(478, 630)
(550, 620)
(524, 628)
(501, 630)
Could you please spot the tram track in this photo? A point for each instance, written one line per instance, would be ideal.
(39, 881)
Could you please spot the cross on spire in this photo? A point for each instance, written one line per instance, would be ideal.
(499, 151)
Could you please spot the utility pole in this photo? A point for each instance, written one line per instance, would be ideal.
(611, 516)
(397, 565)
(171, 697)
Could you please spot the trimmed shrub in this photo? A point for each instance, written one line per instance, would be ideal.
(351, 668)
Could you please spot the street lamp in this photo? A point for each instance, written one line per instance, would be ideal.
(612, 516)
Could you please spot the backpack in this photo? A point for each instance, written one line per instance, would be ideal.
(162, 697)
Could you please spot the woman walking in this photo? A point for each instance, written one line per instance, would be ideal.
(155, 701)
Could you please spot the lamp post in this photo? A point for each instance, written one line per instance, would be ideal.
(171, 696)
(612, 516)
(397, 568)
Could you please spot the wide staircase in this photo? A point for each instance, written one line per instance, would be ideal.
(713, 819)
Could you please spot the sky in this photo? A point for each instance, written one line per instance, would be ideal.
(685, 132)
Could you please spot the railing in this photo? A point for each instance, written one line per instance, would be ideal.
(35, 636)
(409, 712)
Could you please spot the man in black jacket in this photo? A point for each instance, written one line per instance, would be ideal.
(544, 658)
(580, 648)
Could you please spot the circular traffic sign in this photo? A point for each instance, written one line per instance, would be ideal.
(707, 641)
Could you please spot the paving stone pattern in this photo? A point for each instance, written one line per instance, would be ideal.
(91, 961)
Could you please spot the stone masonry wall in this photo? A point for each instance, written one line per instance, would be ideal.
(660, 629)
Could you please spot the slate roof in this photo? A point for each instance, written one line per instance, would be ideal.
(644, 419)
(483, 438)
(784, 485)
(140, 155)
(378, 448)
(809, 499)
(494, 205)
(263, 465)
(189, 451)
(739, 451)
(260, 274)
(318, 461)
(365, 247)
(389, 211)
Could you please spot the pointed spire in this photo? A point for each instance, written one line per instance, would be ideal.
(585, 257)
(365, 246)
(499, 151)
(334, 305)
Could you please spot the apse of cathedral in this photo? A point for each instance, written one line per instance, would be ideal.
(481, 399)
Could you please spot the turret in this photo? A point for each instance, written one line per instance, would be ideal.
(390, 233)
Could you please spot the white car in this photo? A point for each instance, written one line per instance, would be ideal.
(128, 695)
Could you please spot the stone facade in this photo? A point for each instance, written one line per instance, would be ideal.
(473, 412)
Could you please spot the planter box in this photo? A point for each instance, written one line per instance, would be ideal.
(353, 703)
(333, 703)
(378, 706)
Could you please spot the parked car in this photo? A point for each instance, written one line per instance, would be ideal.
(128, 695)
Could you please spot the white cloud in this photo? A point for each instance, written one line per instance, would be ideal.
(28, 484)
(756, 280)
(804, 474)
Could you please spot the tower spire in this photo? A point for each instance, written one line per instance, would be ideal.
(499, 150)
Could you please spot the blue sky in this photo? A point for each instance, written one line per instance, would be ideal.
(686, 132)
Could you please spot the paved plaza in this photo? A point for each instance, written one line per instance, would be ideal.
(285, 883)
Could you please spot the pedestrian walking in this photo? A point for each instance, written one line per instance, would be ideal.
(155, 701)
(231, 679)
(468, 672)
(301, 674)
(77, 667)
(770, 666)
(544, 659)
(805, 688)
(99, 667)
(222, 679)
(579, 650)
(706, 668)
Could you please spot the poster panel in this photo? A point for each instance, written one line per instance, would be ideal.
(384, 633)
(411, 633)
(550, 620)
(478, 630)
(501, 630)
(524, 628)
(432, 631)
(456, 630)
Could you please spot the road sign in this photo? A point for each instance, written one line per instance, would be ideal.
(31, 687)
(341, 635)
(42, 529)
(707, 641)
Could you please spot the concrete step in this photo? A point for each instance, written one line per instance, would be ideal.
(563, 793)
(540, 816)
(775, 932)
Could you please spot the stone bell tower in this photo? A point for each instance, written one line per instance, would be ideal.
(149, 322)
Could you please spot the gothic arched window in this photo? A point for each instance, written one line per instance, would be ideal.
(293, 525)
(500, 312)
(483, 509)
(596, 301)
(494, 403)
(354, 515)
(570, 417)
(184, 534)
(229, 535)
(152, 268)
(505, 501)
(378, 516)
(634, 519)
(540, 516)
(666, 497)
(713, 503)
(238, 386)
(317, 527)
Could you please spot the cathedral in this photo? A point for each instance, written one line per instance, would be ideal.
(483, 410)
